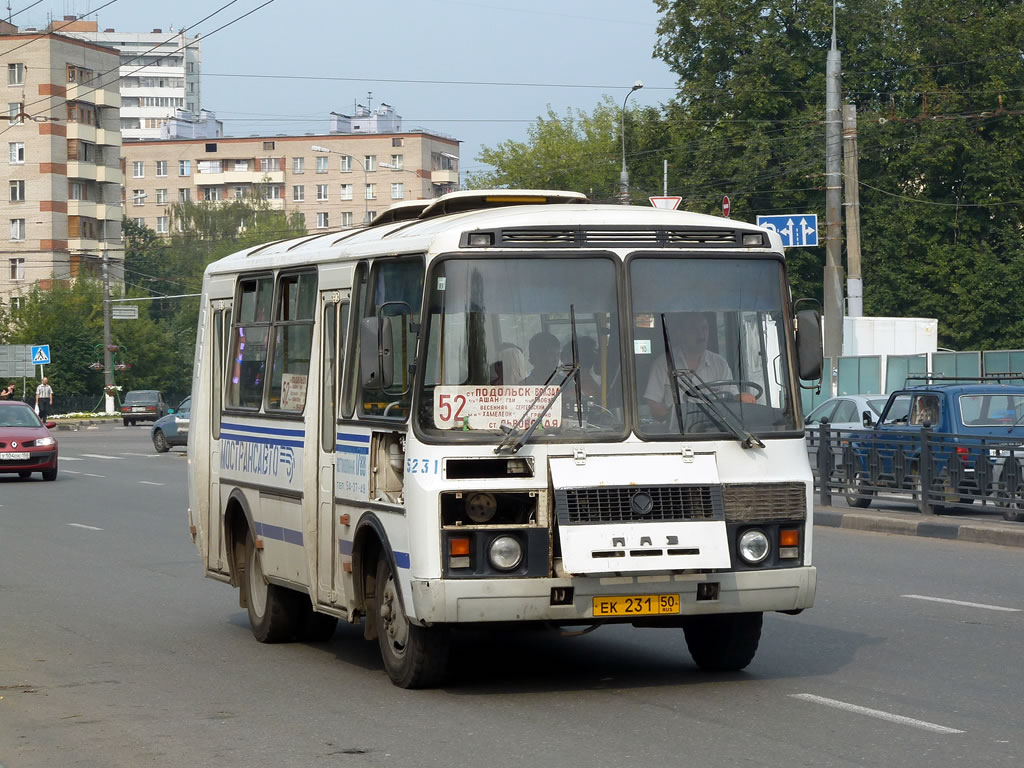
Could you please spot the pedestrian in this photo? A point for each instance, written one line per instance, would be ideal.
(8, 392)
(44, 397)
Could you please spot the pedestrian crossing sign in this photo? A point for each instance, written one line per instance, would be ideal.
(41, 355)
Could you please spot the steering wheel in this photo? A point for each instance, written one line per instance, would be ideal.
(741, 383)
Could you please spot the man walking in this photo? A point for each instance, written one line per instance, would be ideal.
(44, 397)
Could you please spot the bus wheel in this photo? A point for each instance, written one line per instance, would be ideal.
(725, 642)
(414, 657)
(272, 609)
(313, 627)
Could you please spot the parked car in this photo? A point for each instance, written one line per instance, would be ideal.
(976, 444)
(26, 445)
(843, 413)
(172, 429)
(142, 405)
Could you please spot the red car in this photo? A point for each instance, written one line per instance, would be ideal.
(26, 445)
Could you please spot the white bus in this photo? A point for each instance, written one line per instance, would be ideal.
(462, 416)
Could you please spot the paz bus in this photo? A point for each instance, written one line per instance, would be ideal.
(506, 407)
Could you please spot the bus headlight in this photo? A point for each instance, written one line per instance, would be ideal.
(505, 553)
(481, 507)
(753, 546)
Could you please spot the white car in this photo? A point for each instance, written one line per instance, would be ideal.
(847, 411)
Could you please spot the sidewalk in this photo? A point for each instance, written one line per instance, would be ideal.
(990, 529)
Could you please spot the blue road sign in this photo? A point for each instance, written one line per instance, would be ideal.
(796, 229)
(41, 354)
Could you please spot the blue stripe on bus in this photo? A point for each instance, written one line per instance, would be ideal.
(261, 440)
(278, 533)
(352, 449)
(401, 558)
(352, 437)
(263, 430)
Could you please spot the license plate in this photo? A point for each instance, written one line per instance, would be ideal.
(139, 409)
(19, 456)
(636, 605)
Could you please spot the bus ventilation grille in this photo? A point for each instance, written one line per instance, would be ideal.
(765, 502)
(616, 237)
(638, 504)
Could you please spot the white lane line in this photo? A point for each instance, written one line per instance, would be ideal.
(964, 603)
(70, 458)
(147, 482)
(90, 474)
(70, 472)
(101, 456)
(143, 455)
(923, 724)
(86, 527)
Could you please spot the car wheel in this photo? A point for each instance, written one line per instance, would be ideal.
(125, 422)
(854, 491)
(723, 642)
(24, 475)
(50, 474)
(160, 442)
(132, 421)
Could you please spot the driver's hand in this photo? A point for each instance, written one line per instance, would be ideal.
(746, 397)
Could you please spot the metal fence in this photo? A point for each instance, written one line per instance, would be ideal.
(940, 472)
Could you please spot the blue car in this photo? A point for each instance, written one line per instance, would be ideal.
(172, 429)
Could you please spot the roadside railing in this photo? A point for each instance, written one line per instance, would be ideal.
(941, 472)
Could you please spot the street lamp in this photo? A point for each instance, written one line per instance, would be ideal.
(366, 178)
(624, 176)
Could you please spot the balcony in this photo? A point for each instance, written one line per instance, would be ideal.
(82, 170)
(109, 174)
(85, 92)
(83, 131)
(93, 210)
(444, 177)
(241, 177)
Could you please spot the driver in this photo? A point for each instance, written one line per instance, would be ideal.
(690, 351)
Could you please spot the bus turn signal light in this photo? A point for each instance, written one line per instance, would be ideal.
(789, 543)
(458, 553)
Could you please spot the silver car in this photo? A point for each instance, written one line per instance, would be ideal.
(842, 412)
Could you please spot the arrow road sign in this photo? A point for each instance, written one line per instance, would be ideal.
(41, 354)
(795, 229)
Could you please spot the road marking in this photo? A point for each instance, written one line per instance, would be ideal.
(90, 474)
(86, 527)
(923, 724)
(70, 458)
(70, 472)
(963, 602)
(147, 482)
(143, 455)
(101, 456)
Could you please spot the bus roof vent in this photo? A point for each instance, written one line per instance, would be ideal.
(538, 236)
(616, 237)
(478, 199)
(621, 236)
(701, 236)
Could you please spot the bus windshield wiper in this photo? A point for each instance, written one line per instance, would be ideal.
(698, 390)
(514, 439)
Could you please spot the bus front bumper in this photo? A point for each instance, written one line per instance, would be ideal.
(448, 601)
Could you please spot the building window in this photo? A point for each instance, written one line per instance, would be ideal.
(209, 166)
(397, 161)
(17, 269)
(161, 167)
(371, 191)
(241, 165)
(369, 216)
(138, 169)
(17, 229)
(346, 219)
(370, 162)
(184, 167)
(322, 220)
(17, 191)
(211, 193)
(346, 163)
(298, 165)
(321, 192)
(268, 145)
(139, 222)
(16, 152)
(184, 195)
(397, 191)
(162, 225)
(272, 191)
(16, 74)
(211, 147)
(346, 191)
(396, 142)
(239, 193)
(321, 163)
(270, 164)
(14, 113)
(17, 302)
(298, 193)
(161, 196)
(77, 191)
(138, 196)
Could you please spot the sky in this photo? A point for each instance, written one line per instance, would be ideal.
(564, 53)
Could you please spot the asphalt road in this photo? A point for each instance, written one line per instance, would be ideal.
(115, 651)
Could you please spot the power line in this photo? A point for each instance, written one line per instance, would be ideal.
(58, 29)
(26, 8)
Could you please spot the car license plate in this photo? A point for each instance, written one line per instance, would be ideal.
(636, 605)
(17, 456)
(139, 409)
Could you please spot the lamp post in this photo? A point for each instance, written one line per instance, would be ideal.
(366, 178)
(624, 176)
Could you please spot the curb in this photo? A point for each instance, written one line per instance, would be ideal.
(995, 532)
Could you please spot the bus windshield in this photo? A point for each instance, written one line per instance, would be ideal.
(499, 339)
(716, 328)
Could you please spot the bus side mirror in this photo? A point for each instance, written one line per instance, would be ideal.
(809, 353)
(375, 352)
(866, 420)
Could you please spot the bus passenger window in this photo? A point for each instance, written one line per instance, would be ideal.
(249, 336)
(293, 337)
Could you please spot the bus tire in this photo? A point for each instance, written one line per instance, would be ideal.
(723, 642)
(272, 608)
(313, 627)
(414, 657)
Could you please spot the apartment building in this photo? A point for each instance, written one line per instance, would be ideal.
(358, 176)
(159, 73)
(62, 172)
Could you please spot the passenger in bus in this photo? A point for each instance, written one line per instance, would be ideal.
(511, 365)
(690, 351)
(544, 357)
(587, 350)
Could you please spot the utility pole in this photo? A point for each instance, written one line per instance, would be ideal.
(854, 283)
(108, 363)
(833, 277)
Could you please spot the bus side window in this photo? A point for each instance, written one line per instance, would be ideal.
(293, 339)
(217, 372)
(351, 345)
(328, 389)
(249, 336)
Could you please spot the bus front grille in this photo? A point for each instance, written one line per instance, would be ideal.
(764, 502)
(638, 504)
